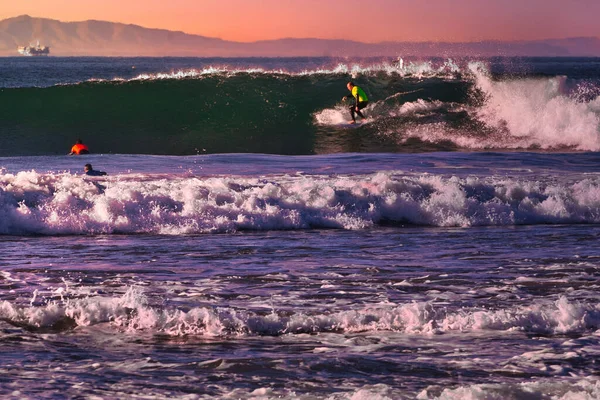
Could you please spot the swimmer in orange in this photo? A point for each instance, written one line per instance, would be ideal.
(79, 148)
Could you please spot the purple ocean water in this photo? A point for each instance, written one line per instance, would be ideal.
(247, 244)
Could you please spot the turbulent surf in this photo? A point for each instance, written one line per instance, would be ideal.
(445, 248)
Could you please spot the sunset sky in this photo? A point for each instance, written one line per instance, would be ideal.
(365, 21)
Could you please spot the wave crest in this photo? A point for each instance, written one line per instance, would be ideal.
(132, 312)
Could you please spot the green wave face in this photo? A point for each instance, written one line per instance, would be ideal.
(222, 113)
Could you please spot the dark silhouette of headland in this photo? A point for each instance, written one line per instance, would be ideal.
(101, 38)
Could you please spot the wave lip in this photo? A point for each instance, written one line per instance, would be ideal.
(416, 69)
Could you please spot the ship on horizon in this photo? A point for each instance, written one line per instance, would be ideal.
(36, 50)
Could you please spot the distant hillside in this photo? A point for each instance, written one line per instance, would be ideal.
(100, 38)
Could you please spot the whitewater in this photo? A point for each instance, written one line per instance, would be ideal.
(246, 244)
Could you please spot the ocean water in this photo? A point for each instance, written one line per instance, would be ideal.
(247, 244)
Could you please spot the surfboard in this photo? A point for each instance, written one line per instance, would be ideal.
(358, 123)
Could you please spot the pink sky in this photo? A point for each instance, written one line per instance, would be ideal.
(366, 21)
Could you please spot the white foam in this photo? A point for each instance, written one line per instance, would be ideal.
(369, 392)
(31, 202)
(133, 312)
(583, 388)
(340, 116)
(515, 114)
(198, 73)
(537, 112)
(587, 388)
(418, 106)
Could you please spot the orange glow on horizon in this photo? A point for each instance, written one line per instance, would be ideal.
(364, 21)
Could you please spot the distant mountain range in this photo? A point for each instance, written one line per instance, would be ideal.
(101, 38)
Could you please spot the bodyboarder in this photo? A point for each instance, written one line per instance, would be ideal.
(90, 171)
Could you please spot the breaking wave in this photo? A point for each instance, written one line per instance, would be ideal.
(414, 106)
(62, 203)
(132, 312)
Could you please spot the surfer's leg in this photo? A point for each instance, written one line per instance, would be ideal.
(361, 105)
(352, 111)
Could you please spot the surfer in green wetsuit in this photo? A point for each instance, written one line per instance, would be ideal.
(360, 100)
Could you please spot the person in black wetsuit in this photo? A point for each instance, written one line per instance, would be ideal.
(92, 172)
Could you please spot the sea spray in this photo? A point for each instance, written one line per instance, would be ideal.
(538, 112)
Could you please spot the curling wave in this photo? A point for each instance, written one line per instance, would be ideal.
(415, 106)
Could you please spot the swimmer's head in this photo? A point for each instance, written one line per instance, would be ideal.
(87, 167)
